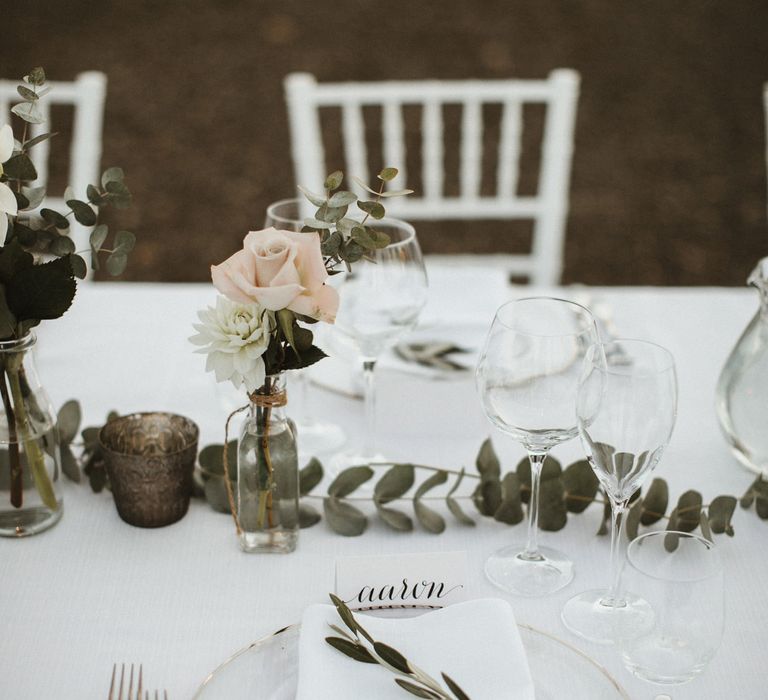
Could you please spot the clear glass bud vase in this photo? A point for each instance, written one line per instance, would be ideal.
(268, 473)
(30, 458)
(742, 390)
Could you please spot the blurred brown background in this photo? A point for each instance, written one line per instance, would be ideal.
(669, 175)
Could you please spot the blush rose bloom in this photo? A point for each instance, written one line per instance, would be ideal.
(279, 270)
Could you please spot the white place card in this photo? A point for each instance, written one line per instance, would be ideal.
(433, 579)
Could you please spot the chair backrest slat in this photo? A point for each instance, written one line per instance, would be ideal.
(432, 149)
(355, 152)
(394, 144)
(548, 207)
(471, 148)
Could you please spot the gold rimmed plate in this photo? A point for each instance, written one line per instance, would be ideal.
(268, 669)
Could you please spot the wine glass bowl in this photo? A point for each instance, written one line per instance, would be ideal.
(527, 378)
(627, 411)
(381, 299)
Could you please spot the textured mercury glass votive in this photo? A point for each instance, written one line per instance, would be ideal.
(150, 459)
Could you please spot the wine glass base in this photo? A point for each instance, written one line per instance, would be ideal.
(315, 438)
(592, 616)
(512, 570)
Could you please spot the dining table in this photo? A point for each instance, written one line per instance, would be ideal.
(180, 600)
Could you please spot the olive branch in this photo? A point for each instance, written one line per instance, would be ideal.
(352, 643)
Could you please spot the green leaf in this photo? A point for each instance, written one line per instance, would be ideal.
(38, 139)
(381, 239)
(330, 214)
(309, 356)
(395, 518)
(417, 690)
(112, 175)
(706, 530)
(553, 515)
(454, 687)
(436, 479)
(36, 76)
(211, 459)
(310, 476)
(349, 480)
(62, 245)
(550, 470)
(285, 318)
(395, 482)
(487, 496)
(510, 509)
(29, 112)
(54, 218)
(375, 209)
(34, 195)
(83, 213)
(392, 656)
(317, 224)
(330, 246)
(344, 518)
(215, 491)
(396, 193)
(69, 464)
(116, 263)
(720, 512)
(351, 649)
(334, 180)
(346, 615)
(453, 504)
(688, 511)
(22, 202)
(316, 199)
(342, 198)
(68, 421)
(20, 167)
(118, 194)
(388, 174)
(363, 237)
(27, 94)
(124, 241)
(79, 268)
(351, 251)
(581, 486)
(487, 462)
(41, 291)
(655, 502)
(430, 520)
(308, 516)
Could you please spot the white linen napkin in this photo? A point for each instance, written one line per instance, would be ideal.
(476, 643)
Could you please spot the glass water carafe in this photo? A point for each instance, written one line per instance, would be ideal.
(742, 390)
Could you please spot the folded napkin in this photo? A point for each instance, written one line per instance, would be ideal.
(476, 643)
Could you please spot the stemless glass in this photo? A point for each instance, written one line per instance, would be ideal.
(381, 299)
(313, 436)
(626, 411)
(527, 378)
(680, 577)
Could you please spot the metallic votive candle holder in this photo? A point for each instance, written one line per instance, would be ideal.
(150, 460)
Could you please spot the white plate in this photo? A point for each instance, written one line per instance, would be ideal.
(269, 670)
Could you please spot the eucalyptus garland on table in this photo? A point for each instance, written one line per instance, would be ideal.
(494, 495)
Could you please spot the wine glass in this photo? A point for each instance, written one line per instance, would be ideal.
(527, 378)
(381, 299)
(680, 577)
(313, 435)
(627, 411)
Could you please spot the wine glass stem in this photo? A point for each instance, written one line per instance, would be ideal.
(532, 545)
(369, 449)
(618, 517)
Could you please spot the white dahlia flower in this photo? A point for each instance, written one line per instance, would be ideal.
(234, 336)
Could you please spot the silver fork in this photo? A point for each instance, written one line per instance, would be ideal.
(129, 689)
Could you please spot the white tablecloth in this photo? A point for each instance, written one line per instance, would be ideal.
(181, 599)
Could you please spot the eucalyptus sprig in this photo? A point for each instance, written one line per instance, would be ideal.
(347, 239)
(33, 290)
(356, 643)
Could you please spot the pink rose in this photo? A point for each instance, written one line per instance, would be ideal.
(279, 270)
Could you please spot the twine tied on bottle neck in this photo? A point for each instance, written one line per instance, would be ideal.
(268, 401)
